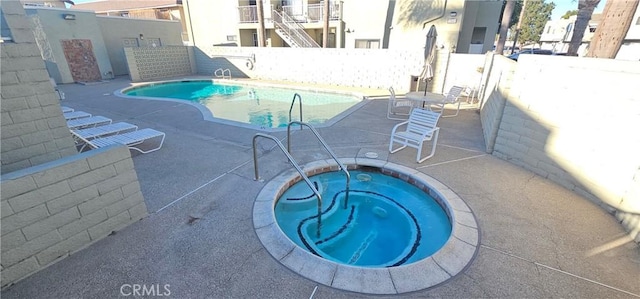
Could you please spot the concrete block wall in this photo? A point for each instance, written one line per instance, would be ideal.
(378, 68)
(54, 209)
(33, 129)
(573, 121)
(152, 63)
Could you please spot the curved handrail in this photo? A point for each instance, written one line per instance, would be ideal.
(324, 144)
(220, 73)
(296, 95)
(295, 165)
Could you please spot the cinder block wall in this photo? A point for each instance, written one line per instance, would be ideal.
(33, 128)
(54, 209)
(378, 68)
(152, 63)
(573, 121)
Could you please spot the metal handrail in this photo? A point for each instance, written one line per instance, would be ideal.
(295, 165)
(220, 73)
(324, 144)
(296, 95)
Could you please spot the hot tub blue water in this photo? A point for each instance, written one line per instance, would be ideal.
(387, 222)
(265, 107)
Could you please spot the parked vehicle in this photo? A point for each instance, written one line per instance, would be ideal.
(515, 56)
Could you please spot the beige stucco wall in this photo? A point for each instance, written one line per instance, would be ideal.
(55, 29)
(211, 21)
(572, 121)
(115, 29)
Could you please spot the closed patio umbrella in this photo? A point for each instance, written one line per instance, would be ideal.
(429, 56)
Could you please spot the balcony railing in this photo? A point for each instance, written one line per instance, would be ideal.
(313, 13)
(249, 14)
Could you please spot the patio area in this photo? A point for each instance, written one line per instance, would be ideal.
(537, 239)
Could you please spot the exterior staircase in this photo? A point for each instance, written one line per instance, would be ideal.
(291, 32)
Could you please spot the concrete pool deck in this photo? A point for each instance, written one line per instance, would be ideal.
(537, 239)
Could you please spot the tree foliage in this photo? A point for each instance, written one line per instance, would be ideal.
(569, 13)
(536, 15)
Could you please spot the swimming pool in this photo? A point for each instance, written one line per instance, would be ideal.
(255, 105)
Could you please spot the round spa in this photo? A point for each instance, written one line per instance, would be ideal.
(396, 230)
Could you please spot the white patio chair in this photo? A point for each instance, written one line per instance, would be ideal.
(136, 140)
(66, 109)
(420, 127)
(397, 106)
(450, 97)
(87, 122)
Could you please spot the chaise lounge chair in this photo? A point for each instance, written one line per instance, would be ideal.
(420, 127)
(75, 115)
(81, 135)
(66, 109)
(140, 140)
(87, 122)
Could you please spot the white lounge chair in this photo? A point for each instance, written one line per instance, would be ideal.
(81, 135)
(75, 115)
(66, 109)
(420, 127)
(133, 140)
(401, 107)
(87, 122)
(451, 97)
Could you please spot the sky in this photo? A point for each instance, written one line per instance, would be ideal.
(563, 6)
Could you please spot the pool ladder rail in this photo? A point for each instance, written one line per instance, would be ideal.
(296, 95)
(295, 165)
(287, 152)
(222, 73)
(326, 147)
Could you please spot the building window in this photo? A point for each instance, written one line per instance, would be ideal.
(367, 44)
(592, 29)
(6, 31)
(255, 39)
(638, 21)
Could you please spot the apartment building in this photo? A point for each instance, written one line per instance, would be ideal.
(557, 34)
(139, 9)
(464, 26)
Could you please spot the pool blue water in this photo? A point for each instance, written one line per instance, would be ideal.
(260, 106)
(387, 221)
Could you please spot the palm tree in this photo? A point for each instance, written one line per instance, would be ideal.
(618, 16)
(262, 39)
(325, 26)
(504, 26)
(585, 10)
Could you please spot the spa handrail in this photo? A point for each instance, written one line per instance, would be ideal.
(324, 144)
(295, 165)
(296, 95)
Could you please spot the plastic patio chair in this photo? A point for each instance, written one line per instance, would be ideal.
(401, 107)
(87, 122)
(81, 135)
(450, 97)
(421, 127)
